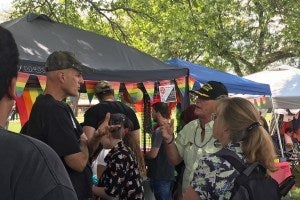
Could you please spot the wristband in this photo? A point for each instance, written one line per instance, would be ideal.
(171, 140)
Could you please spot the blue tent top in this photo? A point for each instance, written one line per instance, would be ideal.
(234, 83)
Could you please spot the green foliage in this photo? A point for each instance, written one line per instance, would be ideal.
(243, 35)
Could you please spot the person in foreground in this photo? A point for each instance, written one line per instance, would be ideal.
(30, 169)
(53, 122)
(237, 128)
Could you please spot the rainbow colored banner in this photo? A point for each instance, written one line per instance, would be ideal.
(149, 86)
(181, 84)
(21, 83)
(42, 81)
(90, 91)
(26, 101)
(164, 82)
(191, 82)
(134, 92)
(116, 86)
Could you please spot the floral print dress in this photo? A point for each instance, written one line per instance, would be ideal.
(121, 178)
(214, 176)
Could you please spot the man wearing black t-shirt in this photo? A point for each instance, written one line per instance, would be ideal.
(96, 114)
(53, 122)
(29, 168)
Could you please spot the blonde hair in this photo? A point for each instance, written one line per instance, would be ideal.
(239, 114)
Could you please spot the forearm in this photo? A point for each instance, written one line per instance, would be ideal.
(84, 150)
(93, 144)
(172, 152)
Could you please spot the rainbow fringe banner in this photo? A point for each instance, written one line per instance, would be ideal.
(164, 82)
(89, 85)
(42, 81)
(149, 86)
(21, 83)
(191, 82)
(116, 86)
(181, 84)
(135, 93)
(260, 102)
(25, 103)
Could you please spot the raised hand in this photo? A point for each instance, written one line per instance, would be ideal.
(103, 127)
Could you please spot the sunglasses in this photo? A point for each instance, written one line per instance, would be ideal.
(117, 119)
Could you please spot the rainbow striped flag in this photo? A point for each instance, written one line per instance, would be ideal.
(26, 101)
(116, 86)
(89, 85)
(21, 83)
(149, 86)
(42, 80)
(181, 84)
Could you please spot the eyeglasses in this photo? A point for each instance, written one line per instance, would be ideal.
(117, 119)
(213, 116)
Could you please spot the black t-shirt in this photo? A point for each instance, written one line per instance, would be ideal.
(31, 170)
(53, 122)
(96, 114)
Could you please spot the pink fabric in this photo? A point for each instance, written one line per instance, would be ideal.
(284, 171)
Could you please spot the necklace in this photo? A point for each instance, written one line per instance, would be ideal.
(195, 133)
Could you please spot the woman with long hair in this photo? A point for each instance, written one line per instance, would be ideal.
(237, 128)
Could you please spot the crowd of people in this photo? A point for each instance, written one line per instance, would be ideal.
(53, 158)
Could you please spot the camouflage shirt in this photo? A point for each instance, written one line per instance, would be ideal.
(214, 177)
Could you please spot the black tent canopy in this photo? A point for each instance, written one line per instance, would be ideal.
(104, 58)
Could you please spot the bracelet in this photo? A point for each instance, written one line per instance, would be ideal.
(172, 140)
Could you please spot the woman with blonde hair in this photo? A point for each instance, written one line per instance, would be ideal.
(237, 128)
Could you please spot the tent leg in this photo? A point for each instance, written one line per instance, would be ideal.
(277, 128)
(278, 135)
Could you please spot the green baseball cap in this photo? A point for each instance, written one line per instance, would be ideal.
(59, 60)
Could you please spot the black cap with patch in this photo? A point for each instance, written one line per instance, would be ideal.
(211, 90)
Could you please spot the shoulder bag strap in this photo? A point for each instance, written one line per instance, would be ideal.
(232, 158)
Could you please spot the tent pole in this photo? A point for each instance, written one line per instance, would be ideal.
(277, 128)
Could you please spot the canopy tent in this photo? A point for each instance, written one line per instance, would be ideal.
(234, 84)
(104, 58)
(37, 36)
(284, 81)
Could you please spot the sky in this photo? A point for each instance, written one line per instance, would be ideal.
(5, 5)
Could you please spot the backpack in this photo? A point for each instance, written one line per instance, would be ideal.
(252, 183)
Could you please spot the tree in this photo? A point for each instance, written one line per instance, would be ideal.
(243, 35)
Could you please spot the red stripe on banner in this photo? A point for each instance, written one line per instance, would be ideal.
(24, 116)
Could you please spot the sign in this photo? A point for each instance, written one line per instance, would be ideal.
(167, 93)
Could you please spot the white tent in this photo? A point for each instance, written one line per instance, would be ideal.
(284, 81)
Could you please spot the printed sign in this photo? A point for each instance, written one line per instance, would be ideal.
(167, 93)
